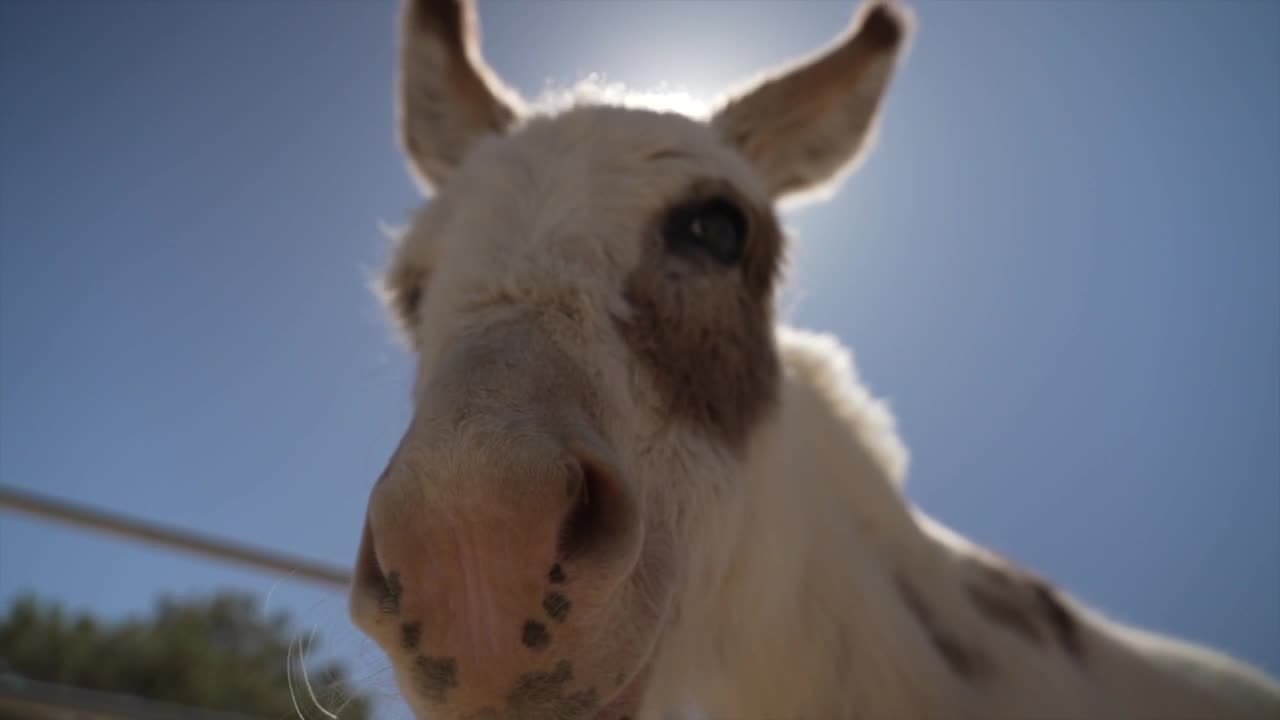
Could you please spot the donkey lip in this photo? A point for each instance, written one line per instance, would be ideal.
(627, 702)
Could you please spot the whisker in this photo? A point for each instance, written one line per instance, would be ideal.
(288, 673)
(306, 679)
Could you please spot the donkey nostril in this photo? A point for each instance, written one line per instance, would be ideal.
(370, 579)
(367, 570)
(581, 525)
(595, 515)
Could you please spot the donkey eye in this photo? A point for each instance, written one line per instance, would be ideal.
(713, 227)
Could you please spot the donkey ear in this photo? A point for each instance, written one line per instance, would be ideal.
(448, 97)
(806, 124)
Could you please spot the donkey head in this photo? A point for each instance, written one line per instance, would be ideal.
(589, 294)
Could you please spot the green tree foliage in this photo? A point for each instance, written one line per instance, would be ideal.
(217, 652)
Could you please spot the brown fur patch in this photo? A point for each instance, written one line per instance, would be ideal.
(1007, 609)
(1023, 603)
(963, 661)
(706, 336)
(1059, 616)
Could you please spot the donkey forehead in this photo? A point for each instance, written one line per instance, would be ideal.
(579, 185)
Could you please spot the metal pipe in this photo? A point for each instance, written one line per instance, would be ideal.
(30, 503)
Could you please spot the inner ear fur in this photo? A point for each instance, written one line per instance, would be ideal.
(806, 124)
(448, 98)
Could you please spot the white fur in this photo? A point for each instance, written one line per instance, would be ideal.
(807, 623)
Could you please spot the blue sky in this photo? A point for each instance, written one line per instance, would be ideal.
(1061, 265)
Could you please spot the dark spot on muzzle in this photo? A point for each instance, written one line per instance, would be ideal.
(436, 676)
(539, 688)
(557, 574)
(535, 635)
(410, 635)
(546, 694)
(557, 606)
(390, 602)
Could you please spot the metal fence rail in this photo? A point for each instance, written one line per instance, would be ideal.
(84, 517)
(24, 699)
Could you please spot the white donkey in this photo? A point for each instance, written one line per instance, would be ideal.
(625, 494)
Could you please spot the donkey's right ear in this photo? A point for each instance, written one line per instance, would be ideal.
(448, 98)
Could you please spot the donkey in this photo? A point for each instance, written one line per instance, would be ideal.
(625, 493)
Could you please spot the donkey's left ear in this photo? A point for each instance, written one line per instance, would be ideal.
(448, 97)
(805, 125)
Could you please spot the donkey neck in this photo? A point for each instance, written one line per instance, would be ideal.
(792, 609)
(818, 592)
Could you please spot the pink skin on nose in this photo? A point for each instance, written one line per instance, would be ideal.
(480, 612)
(472, 588)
